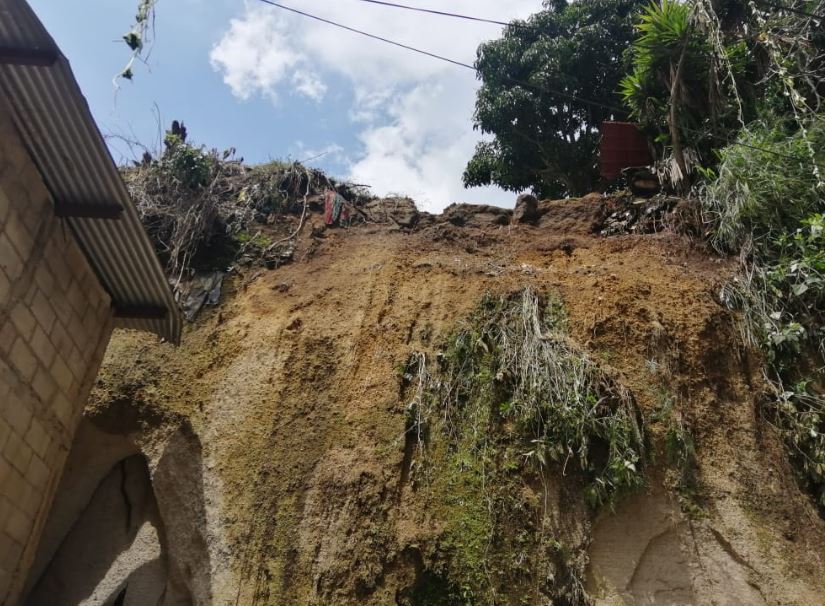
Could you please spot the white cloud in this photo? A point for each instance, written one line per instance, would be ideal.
(413, 113)
(255, 57)
(309, 84)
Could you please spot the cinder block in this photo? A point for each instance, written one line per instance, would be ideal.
(35, 213)
(91, 322)
(62, 308)
(10, 261)
(43, 385)
(5, 473)
(42, 347)
(61, 340)
(78, 333)
(63, 410)
(14, 484)
(6, 508)
(43, 311)
(17, 414)
(22, 358)
(19, 235)
(5, 289)
(44, 279)
(17, 194)
(104, 310)
(62, 375)
(18, 526)
(30, 500)
(55, 250)
(5, 432)
(19, 454)
(23, 320)
(38, 474)
(38, 438)
(75, 260)
(88, 284)
(9, 548)
(31, 290)
(77, 298)
(5, 206)
(10, 554)
(8, 333)
(58, 449)
(78, 364)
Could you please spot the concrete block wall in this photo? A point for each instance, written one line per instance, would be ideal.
(55, 323)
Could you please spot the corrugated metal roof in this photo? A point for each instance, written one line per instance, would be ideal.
(58, 129)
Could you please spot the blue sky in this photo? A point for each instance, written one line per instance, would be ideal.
(275, 85)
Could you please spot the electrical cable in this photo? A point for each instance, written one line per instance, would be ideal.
(436, 12)
(514, 80)
(368, 35)
(549, 91)
(513, 24)
(765, 150)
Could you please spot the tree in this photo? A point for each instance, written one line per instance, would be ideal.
(544, 138)
(689, 84)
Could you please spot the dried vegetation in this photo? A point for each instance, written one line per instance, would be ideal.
(513, 402)
(204, 210)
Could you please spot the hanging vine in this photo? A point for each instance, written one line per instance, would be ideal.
(138, 38)
(793, 49)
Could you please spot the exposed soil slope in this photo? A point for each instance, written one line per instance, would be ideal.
(290, 394)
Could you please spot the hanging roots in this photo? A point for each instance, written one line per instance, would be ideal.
(514, 357)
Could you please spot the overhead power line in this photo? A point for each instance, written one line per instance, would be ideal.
(439, 13)
(768, 3)
(368, 35)
(770, 152)
(549, 91)
(517, 25)
(513, 80)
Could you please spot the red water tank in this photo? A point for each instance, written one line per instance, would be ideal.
(623, 145)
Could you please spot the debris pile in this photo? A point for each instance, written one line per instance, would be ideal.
(631, 215)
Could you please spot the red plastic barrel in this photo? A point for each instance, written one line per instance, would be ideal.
(622, 146)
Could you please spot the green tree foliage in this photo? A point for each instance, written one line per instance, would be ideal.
(734, 89)
(767, 203)
(702, 70)
(683, 88)
(546, 141)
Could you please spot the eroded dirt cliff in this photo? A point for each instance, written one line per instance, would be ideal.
(277, 443)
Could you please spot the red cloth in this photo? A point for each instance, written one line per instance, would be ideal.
(329, 206)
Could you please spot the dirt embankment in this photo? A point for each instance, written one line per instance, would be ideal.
(292, 413)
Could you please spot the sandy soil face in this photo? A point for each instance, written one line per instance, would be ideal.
(291, 388)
